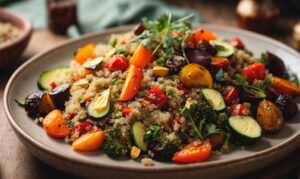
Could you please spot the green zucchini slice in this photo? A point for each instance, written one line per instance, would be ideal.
(93, 64)
(137, 134)
(214, 98)
(245, 128)
(99, 106)
(224, 49)
(47, 77)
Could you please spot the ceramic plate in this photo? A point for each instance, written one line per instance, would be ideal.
(56, 153)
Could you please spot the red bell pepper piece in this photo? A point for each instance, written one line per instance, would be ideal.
(77, 77)
(83, 128)
(239, 109)
(126, 111)
(176, 119)
(88, 99)
(237, 43)
(231, 95)
(116, 63)
(254, 71)
(52, 84)
(218, 63)
(185, 90)
(157, 97)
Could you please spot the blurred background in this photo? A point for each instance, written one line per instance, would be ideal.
(55, 21)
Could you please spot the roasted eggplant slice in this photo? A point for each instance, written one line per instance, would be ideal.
(60, 94)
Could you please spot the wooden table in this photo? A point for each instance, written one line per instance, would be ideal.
(17, 162)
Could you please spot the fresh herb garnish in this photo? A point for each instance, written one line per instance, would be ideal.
(252, 90)
(241, 80)
(220, 75)
(266, 84)
(212, 129)
(295, 80)
(81, 102)
(115, 81)
(121, 50)
(248, 52)
(263, 59)
(70, 124)
(161, 60)
(169, 93)
(113, 43)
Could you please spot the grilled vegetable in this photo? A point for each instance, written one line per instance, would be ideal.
(275, 65)
(157, 97)
(132, 83)
(216, 140)
(269, 116)
(175, 63)
(55, 125)
(60, 94)
(198, 56)
(237, 43)
(160, 71)
(141, 57)
(48, 77)
(99, 107)
(240, 110)
(38, 104)
(205, 45)
(85, 53)
(135, 152)
(218, 63)
(117, 62)
(214, 98)
(83, 83)
(137, 134)
(224, 49)
(139, 29)
(287, 105)
(194, 75)
(203, 34)
(254, 72)
(245, 129)
(231, 95)
(93, 64)
(197, 151)
(89, 141)
(282, 86)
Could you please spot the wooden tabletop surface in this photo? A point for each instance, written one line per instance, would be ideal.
(17, 162)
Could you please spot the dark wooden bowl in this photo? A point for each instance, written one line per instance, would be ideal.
(13, 50)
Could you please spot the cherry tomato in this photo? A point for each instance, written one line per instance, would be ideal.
(239, 109)
(218, 63)
(157, 97)
(255, 71)
(194, 152)
(231, 95)
(237, 43)
(116, 63)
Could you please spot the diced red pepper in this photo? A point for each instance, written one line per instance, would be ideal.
(231, 95)
(190, 41)
(218, 63)
(254, 71)
(77, 77)
(157, 97)
(126, 111)
(117, 62)
(83, 128)
(239, 109)
(144, 105)
(185, 90)
(88, 99)
(52, 84)
(122, 42)
(176, 120)
(237, 43)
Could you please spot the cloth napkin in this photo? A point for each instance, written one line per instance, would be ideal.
(95, 15)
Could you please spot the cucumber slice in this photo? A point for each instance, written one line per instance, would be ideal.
(245, 128)
(214, 98)
(137, 134)
(256, 92)
(93, 64)
(50, 76)
(224, 49)
(99, 107)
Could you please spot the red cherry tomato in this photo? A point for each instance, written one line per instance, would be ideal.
(231, 95)
(239, 109)
(126, 111)
(237, 43)
(218, 63)
(255, 71)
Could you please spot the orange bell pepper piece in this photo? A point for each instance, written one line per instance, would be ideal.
(85, 53)
(282, 86)
(132, 83)
(89, 141)
(141, 57)
(55, 125)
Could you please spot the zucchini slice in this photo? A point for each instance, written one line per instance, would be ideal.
(137, 135)
(224, 49)
(93, 64)
(99, 106)
(47, 77)
(245, 128)
(214, 98)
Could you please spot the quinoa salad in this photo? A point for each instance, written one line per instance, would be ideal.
(164, 92)
(8, 33)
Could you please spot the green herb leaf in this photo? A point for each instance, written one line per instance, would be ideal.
(70, 124)
(82, 120)
(263, 59)
(185, 112)
(121, 50)
(241, 80)
(113, 43)
(266, 84)
(115, 81)
(295, 80)
(169, 93)
(220, 75)
(161, 60)
(248, 52)
(117, 116)
(211, 129)
(219, 47)
(81, 102)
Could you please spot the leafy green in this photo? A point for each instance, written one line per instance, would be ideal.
(121, 50)
(211, 129)
(252, 90)
(241, 80)
(266, 84)
(151, 136)
(248, 52)
(169, 93)
(263, 59)
(113, 43)
(220, 75)
(112, 144)
(81, 102)
(115, 81)
(295, 80)
(70, 124)
(161, 60)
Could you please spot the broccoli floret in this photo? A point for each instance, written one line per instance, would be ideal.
(222, 120)
(204, 111)
(165, 151)
(112, 145)
(152, 137)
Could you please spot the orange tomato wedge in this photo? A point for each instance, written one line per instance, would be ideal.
(194, 152)
(132, 83)
(85, 53)
(89, 141)
(282, 86)
(203, 34)
(55, 125)
(141, 57)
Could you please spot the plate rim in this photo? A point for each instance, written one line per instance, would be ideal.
(256, 155)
